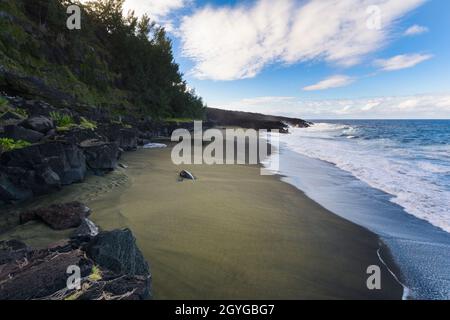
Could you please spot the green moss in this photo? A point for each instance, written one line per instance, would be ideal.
(7, 144)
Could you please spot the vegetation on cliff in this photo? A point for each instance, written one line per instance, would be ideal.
(116, 61)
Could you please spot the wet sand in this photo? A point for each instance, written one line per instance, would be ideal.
(234, 234)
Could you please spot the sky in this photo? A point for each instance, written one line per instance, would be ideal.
(315, 59)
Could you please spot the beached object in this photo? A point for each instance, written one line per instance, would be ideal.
(154, 145)
(187, 175)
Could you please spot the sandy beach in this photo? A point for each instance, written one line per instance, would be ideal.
(236, 234)
(232, 234)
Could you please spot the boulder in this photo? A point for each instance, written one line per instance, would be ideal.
(41, 275)
(100, 156)
(59, 216)
(10, 191)
(27, 273)
(117, 251)
(76, 136)
(66, 159)
(16, 132)
(39, 169)
(128, 139)
(45, 180)
(86, 229)
(39, 123)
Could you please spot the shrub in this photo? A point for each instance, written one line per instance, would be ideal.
(62, 120)
(5, 107)
(7, 144)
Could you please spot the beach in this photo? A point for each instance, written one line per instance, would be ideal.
(232, 234)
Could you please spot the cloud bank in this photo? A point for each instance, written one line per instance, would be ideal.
(237, 42)
(408, 107)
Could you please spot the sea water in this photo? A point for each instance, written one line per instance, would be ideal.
(390, 176)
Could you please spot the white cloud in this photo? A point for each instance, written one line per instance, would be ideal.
(331, 82)
(228, 43)
(415, 30)
(156, 9)
(402, 61)
(408, 107)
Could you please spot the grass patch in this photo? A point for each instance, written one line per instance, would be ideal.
(96, 274)
(7, 144)
(87, 124)
(62, 120)
(5, 107)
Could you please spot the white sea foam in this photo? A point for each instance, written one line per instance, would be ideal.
(405, 173)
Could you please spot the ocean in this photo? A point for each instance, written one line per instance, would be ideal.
(390, 176)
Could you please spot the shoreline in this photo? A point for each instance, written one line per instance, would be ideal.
(307, 275)
(130, 206)
(418, 248)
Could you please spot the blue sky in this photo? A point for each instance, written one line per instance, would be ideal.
(313, 59)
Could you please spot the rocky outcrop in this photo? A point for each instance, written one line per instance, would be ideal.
(101, 156)
(253, 120)
(40, 169)
(10, 191)
(59, 216)
(40, 273)
(117, 251)
(125, 138)
(86, 229)
(39, 123)
(27, 273)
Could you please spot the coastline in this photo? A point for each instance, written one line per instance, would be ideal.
(197, 235)
(417, 248)
(227, 235)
